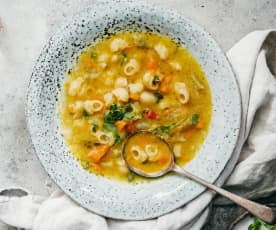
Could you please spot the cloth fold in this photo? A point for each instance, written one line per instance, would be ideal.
(253, 176)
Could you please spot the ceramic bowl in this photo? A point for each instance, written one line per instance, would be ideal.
(101, 195)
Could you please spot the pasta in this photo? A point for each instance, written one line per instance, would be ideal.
(121, 82)
(152, 152)
(138, 154)
(161, 50)
(132, 67)
(148, 80)
(75, 86)
(104, 138)
(93, 106)
(136, 88)
(118, 44)
(121, 94)
(133, 83)
(147, 98)
(182, 92)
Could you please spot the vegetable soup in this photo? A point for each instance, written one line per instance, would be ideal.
(128, 82)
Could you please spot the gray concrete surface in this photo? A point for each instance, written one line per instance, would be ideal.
(27, 25)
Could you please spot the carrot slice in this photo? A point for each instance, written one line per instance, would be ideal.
(134, 96)
(164, 85)
(199, 125)
(120, 125)
(164, 158)
(98, 152)
(152, 63)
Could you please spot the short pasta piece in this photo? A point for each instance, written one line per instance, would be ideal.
(164, 104)
(121, 94)
(138, 154)
(152, 152)
(148, 80)
(161, 50)
(175, 65)
(121, 82)
(131, 67)
(93, 106)
(108, 99)
(104, 137)
(76, 108)
(75, 86)
(147, 98)
(182, 92)
(103, 57)
(118, 44)
(177, 150)
(136, 87)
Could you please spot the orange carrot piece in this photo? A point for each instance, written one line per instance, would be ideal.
(152, 63)
(134, 96)
(164, 158)
(188, 133)
(98, 152)
(120, 125)
(199, 125)
(164, 85)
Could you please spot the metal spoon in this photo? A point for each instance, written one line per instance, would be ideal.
(261, 211)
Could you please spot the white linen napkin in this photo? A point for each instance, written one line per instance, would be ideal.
(254, 175)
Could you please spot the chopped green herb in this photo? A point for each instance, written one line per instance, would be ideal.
(129, 116)
(128, 108)
(108, 127)
(195, 117)
(130, 177)
(156, 80)
(123, 57)
(115, 113)
(257, 225)
(158, 95)
(85, 113)
(95, 125)
(164, 129)
(117, 137)
(85, 164)
(93, 55)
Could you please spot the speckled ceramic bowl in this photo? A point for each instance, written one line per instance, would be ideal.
(101, 195)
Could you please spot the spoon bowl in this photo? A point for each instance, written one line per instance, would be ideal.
(261, 211)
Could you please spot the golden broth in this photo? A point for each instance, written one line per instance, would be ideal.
(128, 82)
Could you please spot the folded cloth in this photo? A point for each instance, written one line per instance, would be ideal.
(252, 177)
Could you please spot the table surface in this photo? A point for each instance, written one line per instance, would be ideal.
(25, 26)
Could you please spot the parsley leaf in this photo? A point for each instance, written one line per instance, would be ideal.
(108, 127)
(95, 125)
(156, 80)
(123, 57)
(85, 113)
(128, 108)
(164, 129)
(129, 116)
(195, 117)
(257, 225)
(93, 55)
(158, 95)
(115, 113)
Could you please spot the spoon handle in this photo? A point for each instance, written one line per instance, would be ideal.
(261, 211)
